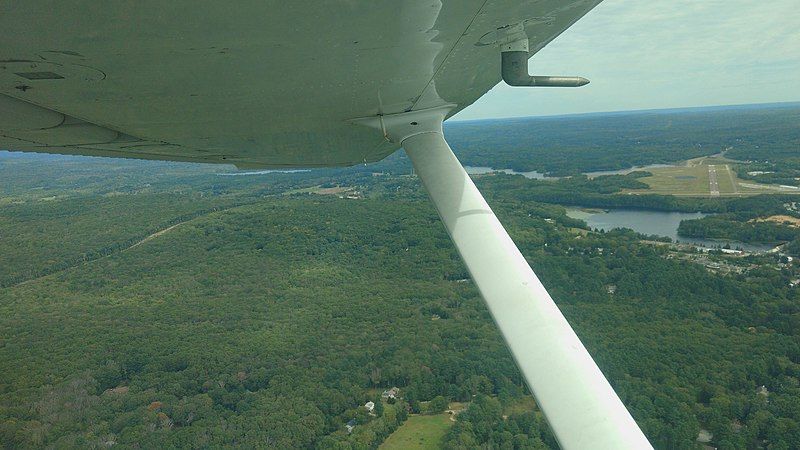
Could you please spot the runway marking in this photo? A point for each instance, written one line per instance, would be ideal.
(713, 185)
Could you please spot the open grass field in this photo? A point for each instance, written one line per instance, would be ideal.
(426, 432)
(677, 180)
(704, 177)
(419, 432)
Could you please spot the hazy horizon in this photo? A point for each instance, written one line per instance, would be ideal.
(458, 118)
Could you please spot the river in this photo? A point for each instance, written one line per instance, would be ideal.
(659, 223)
(473, 170)
(261, 172)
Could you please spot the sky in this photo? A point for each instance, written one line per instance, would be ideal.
(651, 54)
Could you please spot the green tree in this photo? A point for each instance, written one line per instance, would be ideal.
(437, 405)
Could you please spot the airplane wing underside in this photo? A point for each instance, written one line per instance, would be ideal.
(328, 83)
(255, 83)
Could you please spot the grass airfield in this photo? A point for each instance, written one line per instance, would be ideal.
(704, 177)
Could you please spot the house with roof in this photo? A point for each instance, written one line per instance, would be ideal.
(391, 393)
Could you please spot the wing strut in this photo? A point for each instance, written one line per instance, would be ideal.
(579, 404)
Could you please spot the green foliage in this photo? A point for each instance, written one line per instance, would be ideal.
(742, 221)
(226, 309)
(572, 144)
(437, 405)
(483, 425)
(269, 320)
(727, 227)
(599, 192)
(793, 248)
(275, 314)
(774, 146)
(785, 170)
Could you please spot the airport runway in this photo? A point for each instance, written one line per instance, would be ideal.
(713, 185)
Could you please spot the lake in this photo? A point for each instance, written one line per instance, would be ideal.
(659, 223)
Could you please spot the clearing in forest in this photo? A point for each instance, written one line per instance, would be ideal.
(786, 220)
(419, 432)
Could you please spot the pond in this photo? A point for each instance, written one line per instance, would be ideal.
(659, 223)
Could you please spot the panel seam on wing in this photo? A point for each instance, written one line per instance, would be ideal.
(450, 52)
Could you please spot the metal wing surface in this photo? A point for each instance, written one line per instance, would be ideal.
(254, 83)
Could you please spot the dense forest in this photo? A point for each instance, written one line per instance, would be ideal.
(162, 305)
(599, 192)
(727, 226)
(567, 145)
(774, 152)
(777, 169)
(743, 220)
